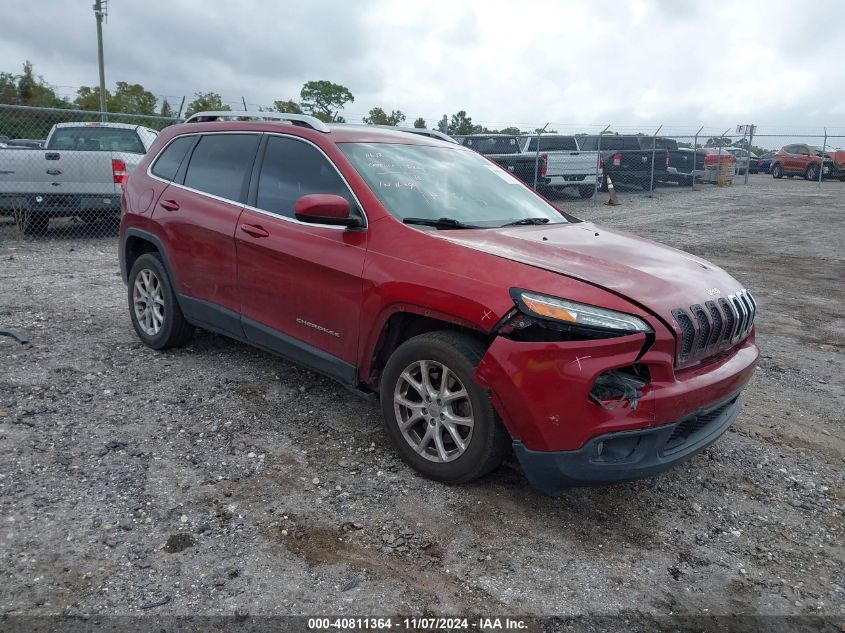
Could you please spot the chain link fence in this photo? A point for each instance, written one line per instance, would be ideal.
(61, 170)
(581, 163)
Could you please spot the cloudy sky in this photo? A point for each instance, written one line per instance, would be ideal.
(633, 64)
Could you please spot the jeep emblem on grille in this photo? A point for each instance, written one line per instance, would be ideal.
(713, 291)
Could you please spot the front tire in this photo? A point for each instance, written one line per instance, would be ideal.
(812, 173)
(439, 419)
(153, 308)
(777, 171)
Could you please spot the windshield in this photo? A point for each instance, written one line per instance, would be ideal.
(420, 181)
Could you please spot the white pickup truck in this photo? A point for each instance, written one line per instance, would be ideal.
(566, 164)
(79, 172)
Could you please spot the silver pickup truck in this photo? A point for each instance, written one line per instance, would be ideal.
(566, 163)
(79, 172)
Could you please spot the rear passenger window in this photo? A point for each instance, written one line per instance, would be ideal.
(220, 163)
(168, 162)
(292, 169)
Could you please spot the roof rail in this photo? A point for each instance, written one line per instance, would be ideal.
(302, 119)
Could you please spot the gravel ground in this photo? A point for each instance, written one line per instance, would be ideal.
(218, 479)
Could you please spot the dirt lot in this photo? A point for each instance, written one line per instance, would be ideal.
(217, 478)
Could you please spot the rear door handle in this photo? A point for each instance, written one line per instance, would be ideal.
(573, 153)
(169, 205)
(54, 172)
(254, 230)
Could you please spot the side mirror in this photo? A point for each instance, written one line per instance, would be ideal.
(324, 208)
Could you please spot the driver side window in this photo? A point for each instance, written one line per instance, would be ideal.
(291, 169)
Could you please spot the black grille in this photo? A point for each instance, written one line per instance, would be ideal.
(730, 320)
(694, 427)
(703, 327)
(709, 330)
(739, 307)
(716, 317)
(687, 332)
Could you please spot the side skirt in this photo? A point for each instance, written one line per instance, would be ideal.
(229, 323)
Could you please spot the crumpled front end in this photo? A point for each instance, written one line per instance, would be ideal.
(596, 411)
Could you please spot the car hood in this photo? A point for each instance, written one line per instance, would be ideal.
(654, 276)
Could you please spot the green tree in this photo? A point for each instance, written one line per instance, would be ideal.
(34, 91)
(380, 117)
(205, 101)
(420, 123)
(510, 130)
(290, 106)
(8, 88)
(325, 99)
(133, 98)
(88, 98)
(718, 141)
(461, 124)
(166, 110)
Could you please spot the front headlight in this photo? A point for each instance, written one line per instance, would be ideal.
(578, 315)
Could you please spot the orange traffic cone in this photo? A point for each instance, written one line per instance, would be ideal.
(613, 201)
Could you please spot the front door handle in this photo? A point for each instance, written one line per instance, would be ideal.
(169, 205)
(254, 230)
(54, 172)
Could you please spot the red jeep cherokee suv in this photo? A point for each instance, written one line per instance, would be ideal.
(415, 270)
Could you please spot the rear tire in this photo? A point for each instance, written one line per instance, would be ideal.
(417, 408)
(153, 308)
(586, 192)
(777, 171)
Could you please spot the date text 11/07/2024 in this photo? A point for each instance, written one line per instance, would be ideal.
(418, 624)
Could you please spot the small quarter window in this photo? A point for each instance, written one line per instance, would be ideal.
(168, 162)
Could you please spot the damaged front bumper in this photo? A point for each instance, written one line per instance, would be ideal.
(596, 411)
(627, 454)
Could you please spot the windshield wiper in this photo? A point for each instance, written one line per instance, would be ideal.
(527, 221)
(440, 223)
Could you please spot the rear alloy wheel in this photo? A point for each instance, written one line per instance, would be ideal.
(155, 313)
(777, 171)
(812, 172)
(437, 416)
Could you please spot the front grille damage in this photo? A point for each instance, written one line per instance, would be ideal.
(706, 330)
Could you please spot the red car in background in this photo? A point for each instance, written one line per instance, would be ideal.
(804, 160)
(418, 272)
(718, 164)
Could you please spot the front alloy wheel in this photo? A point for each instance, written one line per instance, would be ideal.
(437, 416)
(433, 411)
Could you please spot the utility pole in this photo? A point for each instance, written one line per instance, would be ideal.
(101, 11)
